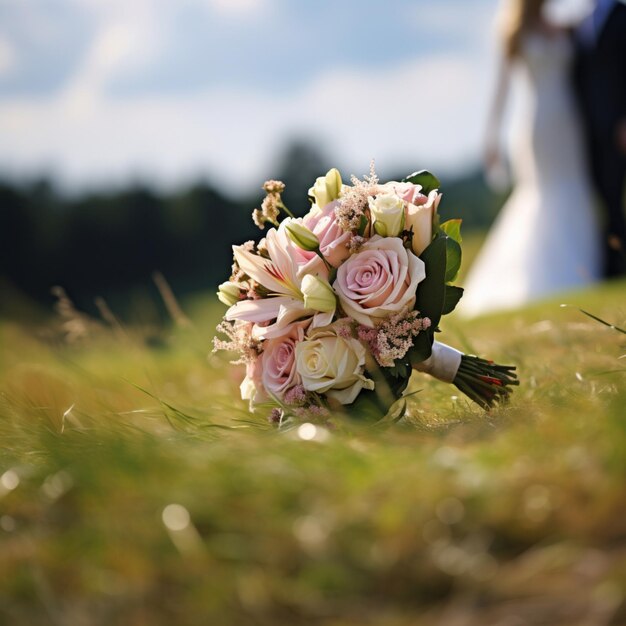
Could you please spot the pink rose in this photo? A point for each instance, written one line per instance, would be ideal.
(406, 191)
(279, 370)
(333, 241)
(379, 281)
(419, 219)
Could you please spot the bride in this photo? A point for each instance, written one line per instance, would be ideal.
(545, 239)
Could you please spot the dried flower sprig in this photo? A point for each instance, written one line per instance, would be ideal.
(354, 202)
(239, 339)
(394, 337)
(272, 205)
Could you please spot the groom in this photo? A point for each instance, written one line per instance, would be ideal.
(601, 84)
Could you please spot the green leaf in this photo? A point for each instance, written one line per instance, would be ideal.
(436, 221)
(380, 229)
(452, 228)
(373, 405)
(368, 407)
(452, 297)
(453, 259)
(431, 291)
(400, 369)
(362, 225)
(422, 347)
(424, 178)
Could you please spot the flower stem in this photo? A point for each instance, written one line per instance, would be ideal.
(329, 267)
(482, 381)
(285, 209)
(485, 382)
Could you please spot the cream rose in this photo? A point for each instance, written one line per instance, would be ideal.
(332, 365)
(378, 281)
(387, 211)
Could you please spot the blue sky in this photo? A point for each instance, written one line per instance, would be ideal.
(99, 91)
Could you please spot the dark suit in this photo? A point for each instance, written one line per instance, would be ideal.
(600, 77)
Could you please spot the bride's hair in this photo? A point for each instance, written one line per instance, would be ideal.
(517, 17)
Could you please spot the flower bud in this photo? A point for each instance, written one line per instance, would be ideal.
(228, 293)
(327, 188)
(387, 211)
(301, 235)
(318, 294)
(420, 220)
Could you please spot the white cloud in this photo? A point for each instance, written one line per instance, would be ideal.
(453, 19)
(428, 110)
(7, 56)
(423, 112)
(238, 8)
(126, 40)
(119, 48)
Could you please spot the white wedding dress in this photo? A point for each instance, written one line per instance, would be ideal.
(545, 239)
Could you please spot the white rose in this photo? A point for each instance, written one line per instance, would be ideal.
(332, 365)
(387, 214)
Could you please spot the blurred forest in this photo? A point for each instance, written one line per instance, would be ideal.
(109, 243)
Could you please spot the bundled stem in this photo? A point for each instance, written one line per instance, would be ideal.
(484, 382)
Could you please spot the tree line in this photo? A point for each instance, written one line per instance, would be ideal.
(109, 243)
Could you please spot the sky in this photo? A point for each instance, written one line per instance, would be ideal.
(99, 92)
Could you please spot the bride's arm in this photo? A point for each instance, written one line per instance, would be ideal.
(492, 155)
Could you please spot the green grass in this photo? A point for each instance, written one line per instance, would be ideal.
(453, 516)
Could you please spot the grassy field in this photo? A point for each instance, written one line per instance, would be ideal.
(135, 488)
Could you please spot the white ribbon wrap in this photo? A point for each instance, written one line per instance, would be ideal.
(442, 364)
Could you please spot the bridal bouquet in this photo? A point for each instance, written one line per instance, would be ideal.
(337, 308)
